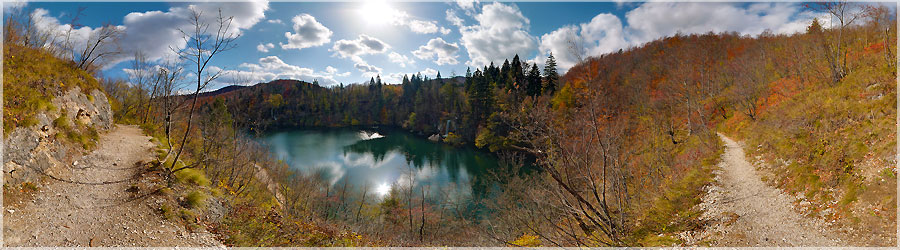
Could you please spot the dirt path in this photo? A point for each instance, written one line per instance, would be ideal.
(104, 213)
(746, 212)
(263, 175)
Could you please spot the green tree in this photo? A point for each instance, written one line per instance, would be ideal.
(533, 79)
(814, 28)
(517, 73)
(551, 77)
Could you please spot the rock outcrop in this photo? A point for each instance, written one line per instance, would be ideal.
(31, 152)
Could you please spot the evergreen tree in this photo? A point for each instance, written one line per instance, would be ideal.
(815, 27)
(505, 80)
(551, 77)
(481, 97)
(533, 87)
(516, 73)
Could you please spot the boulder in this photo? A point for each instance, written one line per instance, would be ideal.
(30, 152)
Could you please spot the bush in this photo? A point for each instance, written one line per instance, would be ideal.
(62, 122)
(29, 186)
(167, 212)
(187, 215)
(196, 199)
(192, 176)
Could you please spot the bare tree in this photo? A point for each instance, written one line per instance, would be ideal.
(24, 25)
(168, 79)
(140, 78)
(201, 47)
(101, 44)
(885, 22)
(751, 82)
(846, 13)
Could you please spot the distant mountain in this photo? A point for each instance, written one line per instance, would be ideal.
(222, 90)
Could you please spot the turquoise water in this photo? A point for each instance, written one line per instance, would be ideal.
(377, 159)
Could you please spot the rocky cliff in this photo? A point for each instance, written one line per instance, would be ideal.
(32, 153)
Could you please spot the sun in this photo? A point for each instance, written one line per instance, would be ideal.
(376, 12)
(383, 189)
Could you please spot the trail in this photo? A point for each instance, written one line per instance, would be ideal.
(103, 212)
(746, 212)
(263, 175)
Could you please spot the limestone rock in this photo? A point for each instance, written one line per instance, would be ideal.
(31, 149)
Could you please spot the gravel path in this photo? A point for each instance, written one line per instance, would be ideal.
(103, 213)
(744, 211)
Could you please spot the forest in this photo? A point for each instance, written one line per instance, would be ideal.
(623, 143)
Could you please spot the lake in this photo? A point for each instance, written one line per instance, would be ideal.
(381, 158)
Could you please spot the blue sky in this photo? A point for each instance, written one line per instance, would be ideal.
(350, 42)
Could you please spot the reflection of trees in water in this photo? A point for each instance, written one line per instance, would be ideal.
(420, 153)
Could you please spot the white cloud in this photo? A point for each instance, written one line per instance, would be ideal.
(430, 73)
(355, 49)
(437, 47)
(654, 20)
(154, 33)
(14, 5)
(501, 32)
(362, 45)
(467, 4)
(557, 42)
(400, 59)
(271, 68)
(454, 19)
(78, 38)
(147, 72)
(264, 47)
(402, 18)
(309, 33)
(277, 21)
(366, 68)
(605, 33)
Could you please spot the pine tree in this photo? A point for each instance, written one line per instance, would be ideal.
(533, 87)
(505, 79)
(551, 77)
(481, 96)
(815, 27)
(516, 73)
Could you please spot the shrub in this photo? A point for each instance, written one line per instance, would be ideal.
(62, 122)
(187, 215)
(167, 212)
(192, 176)
(196, 199)
(526, 240)
(29, 186)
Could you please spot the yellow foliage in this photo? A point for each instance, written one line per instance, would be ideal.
(526, 240)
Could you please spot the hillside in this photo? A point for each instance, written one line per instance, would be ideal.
(662, 104)
(72, 176)
(829, 144)
(715, 139)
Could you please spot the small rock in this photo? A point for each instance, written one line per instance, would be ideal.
(75, 163)
(11, 211)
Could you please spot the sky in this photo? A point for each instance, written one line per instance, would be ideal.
(350, 42)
